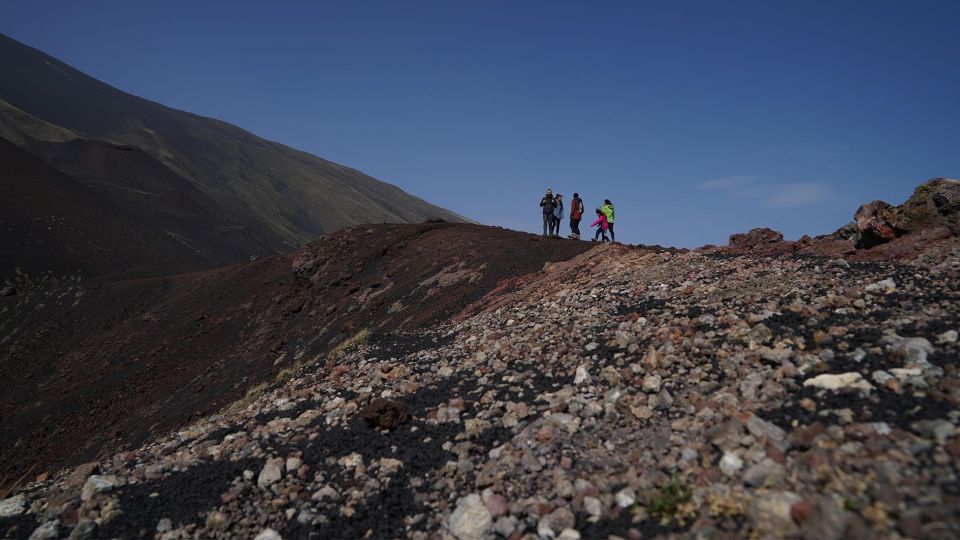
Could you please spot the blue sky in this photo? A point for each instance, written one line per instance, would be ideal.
(698, 119)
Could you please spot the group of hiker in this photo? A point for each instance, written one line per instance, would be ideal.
(552, 207)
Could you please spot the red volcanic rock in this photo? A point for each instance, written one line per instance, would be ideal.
(801, 511)
(876, 223)
(755, 237)
(385, 413)
(933, 208)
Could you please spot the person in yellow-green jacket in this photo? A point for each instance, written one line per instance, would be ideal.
(607, 210)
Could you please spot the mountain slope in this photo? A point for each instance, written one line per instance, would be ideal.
(293, 195)
(54, 226)
(103, 364)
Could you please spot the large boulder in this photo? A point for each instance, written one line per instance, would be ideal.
(755, 238)
(876, 222)
(935, 203)
(934, 206)
(385, 413)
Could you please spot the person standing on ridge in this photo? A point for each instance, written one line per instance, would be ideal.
(602, 226)
(607, 210)
(546, 205)
(557, 215)
(576, 214)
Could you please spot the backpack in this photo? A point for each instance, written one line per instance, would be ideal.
(576, 211)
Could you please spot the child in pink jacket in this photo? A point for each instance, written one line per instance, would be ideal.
(603, 226)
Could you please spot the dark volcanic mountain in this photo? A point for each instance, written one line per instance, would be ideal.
(217, 189)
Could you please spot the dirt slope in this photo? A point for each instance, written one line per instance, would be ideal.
(53, 226)
(90, 365)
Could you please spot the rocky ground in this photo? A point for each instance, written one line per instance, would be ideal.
(624, 393)
(88, 366)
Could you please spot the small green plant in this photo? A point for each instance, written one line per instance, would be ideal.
(672, 503)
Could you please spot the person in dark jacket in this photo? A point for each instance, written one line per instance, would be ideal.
(576, 214)
(547, 205)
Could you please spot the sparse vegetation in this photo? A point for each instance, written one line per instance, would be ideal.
(287, 373)
(672, 503)
(359, 339)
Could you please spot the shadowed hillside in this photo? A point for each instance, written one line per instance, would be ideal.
(54, 227)
(224, 192)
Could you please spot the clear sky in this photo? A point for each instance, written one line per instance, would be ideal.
(698, 119)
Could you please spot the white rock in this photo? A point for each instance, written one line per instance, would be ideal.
(569, 534)
(470, 520)
(326, 492)
(626, 497)
(914, 350)
(882, 286)
(840, 381)
(13, 506)
(582, 376)
(268, 534)
(97, 484)
(270, 473)
(651, 384)
(950, 336)
(390, 465)
(350, 461)
(771, 513)
(730, 463)
(881, 377)
(293, 464)
(505, 525)
(905, 373)
(593, 506)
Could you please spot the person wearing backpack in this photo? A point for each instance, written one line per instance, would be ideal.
(557, 215)
(546, 206)
(607, 210)
(576, 214)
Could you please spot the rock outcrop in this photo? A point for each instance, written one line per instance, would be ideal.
(933, 209)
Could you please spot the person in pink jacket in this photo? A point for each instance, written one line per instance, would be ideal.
(603, 226)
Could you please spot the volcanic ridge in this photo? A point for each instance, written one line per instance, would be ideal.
(456, 381)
